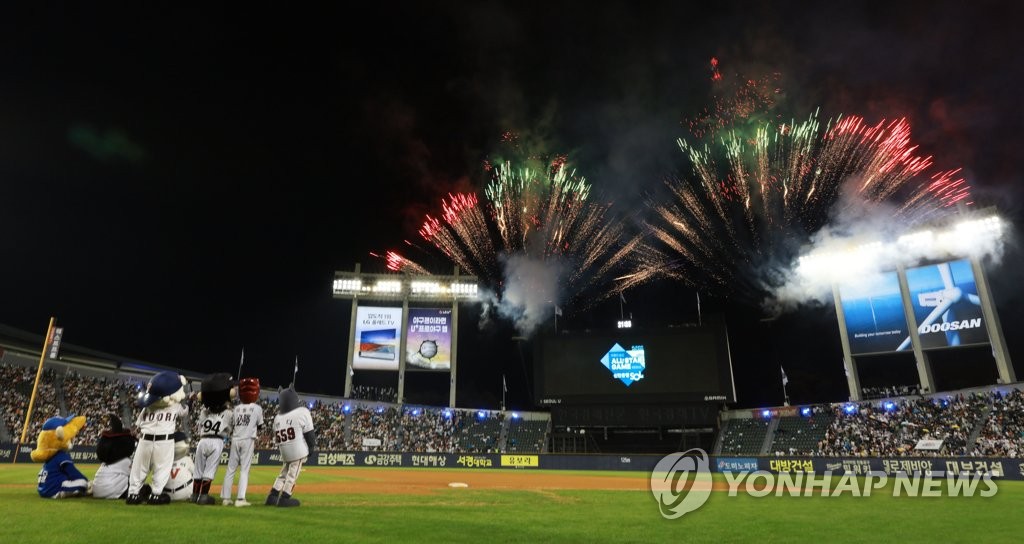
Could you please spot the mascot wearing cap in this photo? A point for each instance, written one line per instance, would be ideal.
(59, 479)
(179, 485)
(114, 450)
(215, 421)
(248, 420)
(294, 435)
(162, 412)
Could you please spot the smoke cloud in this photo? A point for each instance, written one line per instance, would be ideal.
(864, 239)
(529, 294)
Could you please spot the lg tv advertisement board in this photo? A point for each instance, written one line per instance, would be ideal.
(946, 305)
(873, 309)
(377, 338)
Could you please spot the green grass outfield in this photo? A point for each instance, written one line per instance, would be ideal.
(484, 516)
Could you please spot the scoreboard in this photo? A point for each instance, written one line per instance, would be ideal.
(671, 365)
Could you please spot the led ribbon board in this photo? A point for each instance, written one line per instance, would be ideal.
(625, 365)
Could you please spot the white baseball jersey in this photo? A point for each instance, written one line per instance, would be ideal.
(111, 479)
(179, 486)
(156, 421)
(215, 425)
(288, 429)
(248, 417)
(155, 452)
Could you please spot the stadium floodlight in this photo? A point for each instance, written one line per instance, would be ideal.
(421, 288)
(843, 261)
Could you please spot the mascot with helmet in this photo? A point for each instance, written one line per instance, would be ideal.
(247, 420)
(161, 415)
(59, 478)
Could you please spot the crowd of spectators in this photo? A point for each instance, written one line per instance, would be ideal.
(893, 428)
(1002, 434)
(890, 391)
(374, 393)
(16, 394)
(345, 424)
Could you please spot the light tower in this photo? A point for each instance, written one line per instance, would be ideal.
(921, 301)
(405, 288)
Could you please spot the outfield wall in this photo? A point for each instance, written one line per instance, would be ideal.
(998, 467)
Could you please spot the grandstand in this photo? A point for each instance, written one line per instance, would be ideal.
(986, 421)
(342, 424)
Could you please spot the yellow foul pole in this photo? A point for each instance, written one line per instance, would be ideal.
(35, 387)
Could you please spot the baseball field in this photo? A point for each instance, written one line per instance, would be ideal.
(418, 505)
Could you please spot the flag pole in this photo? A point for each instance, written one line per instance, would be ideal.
(504, 389)
(296, 371)
(35, 387)
(700, 320)
(240, 363)
(785, 381)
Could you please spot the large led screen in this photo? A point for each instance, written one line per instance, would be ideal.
(629, 365)
(377, 338)
(946, 305)
(429, 340)
(873, 308)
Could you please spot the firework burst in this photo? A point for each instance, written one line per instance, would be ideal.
(541, 211)
(753, 199)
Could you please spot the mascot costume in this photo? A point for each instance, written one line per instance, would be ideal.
(215, 421)
(59, 479)
(114, 450)
(248, 420)
(179, 485)
(161, 413)
(294, 435)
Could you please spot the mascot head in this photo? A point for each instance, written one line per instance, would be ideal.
(249, 390)
(287, 399)
(113, 424)
(165, 389)
(217, 391)
(56, 436)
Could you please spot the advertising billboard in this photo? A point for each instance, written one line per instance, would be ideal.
(429, 339)
(873, 308)
(377, 338)
(946, 305)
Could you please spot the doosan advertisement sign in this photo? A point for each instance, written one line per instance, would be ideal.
(873, 309)
(946, 305)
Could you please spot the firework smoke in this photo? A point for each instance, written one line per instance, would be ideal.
(753, 200)
(538, 239)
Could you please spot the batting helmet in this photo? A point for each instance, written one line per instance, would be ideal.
(249, 390)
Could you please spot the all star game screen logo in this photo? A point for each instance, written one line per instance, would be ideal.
(686, 364)
(626, 365)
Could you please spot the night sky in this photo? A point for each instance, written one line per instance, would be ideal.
(178, 183)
